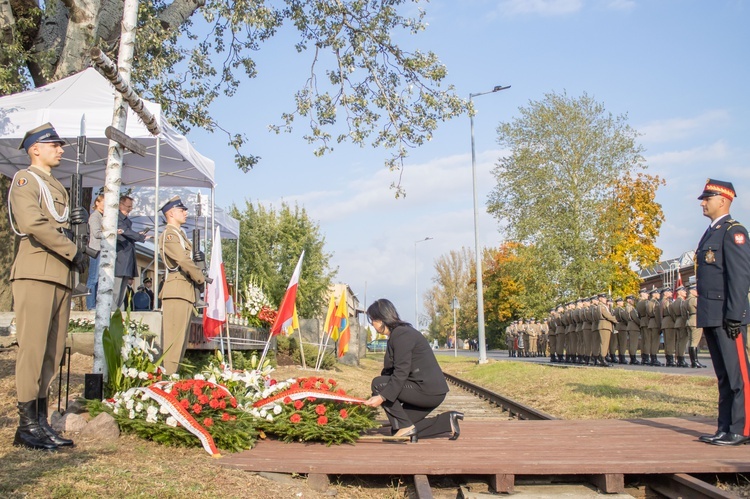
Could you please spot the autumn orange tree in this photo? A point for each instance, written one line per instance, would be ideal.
(573, 188)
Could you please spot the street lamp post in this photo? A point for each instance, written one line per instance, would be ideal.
(416, 294)
(455, 306)
(480, 285)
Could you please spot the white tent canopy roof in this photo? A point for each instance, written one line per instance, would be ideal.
(89, 94)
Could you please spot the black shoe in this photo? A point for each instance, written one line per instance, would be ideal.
(604, 362)
(412, 434)
(29, 434)
(655, 361)
(634, 361)
(710, 438)
(644, 360)
(730, 439)
(47, 429)
(681, 362)
(455, 416)
(670, 361)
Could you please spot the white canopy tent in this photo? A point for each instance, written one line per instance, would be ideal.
(87, 97)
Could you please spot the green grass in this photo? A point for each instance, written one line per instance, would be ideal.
(578, 393)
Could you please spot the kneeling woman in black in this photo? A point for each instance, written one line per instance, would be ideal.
(411, 384)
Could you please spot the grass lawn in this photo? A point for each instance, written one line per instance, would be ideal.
(593, 393)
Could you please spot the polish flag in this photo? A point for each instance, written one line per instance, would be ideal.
(217, 293)
(286, 310)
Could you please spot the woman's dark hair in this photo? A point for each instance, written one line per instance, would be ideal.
(384, 311)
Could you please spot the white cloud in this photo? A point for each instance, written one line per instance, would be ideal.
(509, 8)
(706, 155)
(620, 5)
(680, 128)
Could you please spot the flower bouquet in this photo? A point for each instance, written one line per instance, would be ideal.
(311, 409)
(257, 307)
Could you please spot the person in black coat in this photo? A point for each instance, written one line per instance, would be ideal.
(722, 263)
(411, 384)
(125, 264)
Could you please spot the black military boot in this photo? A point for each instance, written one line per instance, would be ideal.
(48, 430)
(634, 360)
(603, 362)
(694, 358)
(623, 360)
(29, 434)
(553, 358)
(655, 361)
(681, 362)
(586, 359)
(670, 360)
(644, 359)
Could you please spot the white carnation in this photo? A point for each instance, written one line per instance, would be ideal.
(269, 418)
(129, 404)
(200, 377)
(163, 409)
(263, 413)
(277, 409)
(131, 415)
(171, 421)
(138, 407)
(143, 375)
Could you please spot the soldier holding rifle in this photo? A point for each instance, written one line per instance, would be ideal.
(178, 295)
(41, 280)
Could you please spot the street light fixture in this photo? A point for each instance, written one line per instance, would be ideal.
(416, 294)
(480, 285)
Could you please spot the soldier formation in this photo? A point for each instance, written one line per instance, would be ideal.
(600, 331)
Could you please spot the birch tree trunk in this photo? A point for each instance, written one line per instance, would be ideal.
(113, 179)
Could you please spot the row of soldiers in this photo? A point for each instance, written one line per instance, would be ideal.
(601, 331)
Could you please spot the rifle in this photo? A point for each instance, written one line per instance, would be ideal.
(80, 229)
(199, 257)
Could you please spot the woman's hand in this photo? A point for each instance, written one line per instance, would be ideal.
(375, 401)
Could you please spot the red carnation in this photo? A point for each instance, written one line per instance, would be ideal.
(272, 382)
(287, 400)
(208, 422)
(322, 420)
(311, 399)
(197, 408)
(232, 402)
(343, 414)
(214, 404)
(185, 403)
(325, 387)
(223, 405)
(295, 418)
(298, 404)
(320, 409)
(150, 376)
(203, 399)
(225, 416)
(332, 382)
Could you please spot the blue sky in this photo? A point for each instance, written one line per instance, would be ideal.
(678, 69)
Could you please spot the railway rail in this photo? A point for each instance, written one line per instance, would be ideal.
(678, 485)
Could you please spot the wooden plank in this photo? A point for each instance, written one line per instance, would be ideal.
(609, 483)
(503, 483)
(681, 485)
(422, 487)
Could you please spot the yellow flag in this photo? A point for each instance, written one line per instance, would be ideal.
(329, 316)
(295, 323)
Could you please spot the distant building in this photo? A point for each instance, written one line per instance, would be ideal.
(665, 273)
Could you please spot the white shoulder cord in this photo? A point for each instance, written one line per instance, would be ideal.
(164, 254)
(45, 193)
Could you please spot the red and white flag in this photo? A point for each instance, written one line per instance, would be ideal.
(286, 309)
(217, 293)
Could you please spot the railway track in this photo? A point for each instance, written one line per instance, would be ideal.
(478, 402)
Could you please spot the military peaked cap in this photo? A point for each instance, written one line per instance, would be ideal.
(45, 134)
(718, 188)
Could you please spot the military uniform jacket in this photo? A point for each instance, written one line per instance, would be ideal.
(691, 305)
(409, 357)
(675, 310)
(44, 252)
(667, 321)
(634, 321)
(604, 318)
(654, 314)
(182, 273)
(622, 318)
(588, 318)
(722, 263)
(559, 323)
(641, 308)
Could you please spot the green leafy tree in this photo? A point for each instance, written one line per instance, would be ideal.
(271, 241)
(558, 188)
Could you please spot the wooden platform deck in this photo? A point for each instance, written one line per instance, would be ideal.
(609, 449)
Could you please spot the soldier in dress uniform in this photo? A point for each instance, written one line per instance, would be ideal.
(552, 334)
(722, 274)
(178, 293)
(667, 325)
(41, 281)
(694, 333)
(642, 308)
(604, 324)
(571, 343)
(622, 330)
(588, 331)
(680, 315)
(534, 331)
(653, 309)
(634, 329)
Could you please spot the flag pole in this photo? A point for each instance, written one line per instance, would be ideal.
(229, 345)
(301, 350)
(265, 351)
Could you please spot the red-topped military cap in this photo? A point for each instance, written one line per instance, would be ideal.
(718, 188)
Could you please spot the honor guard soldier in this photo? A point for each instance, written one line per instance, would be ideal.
(622, 330)
(183, 277)
(667, 325)
(679, 312)
(651, 343)
(641, 308)
(634, 329)
(722, 263)
(41, 281)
